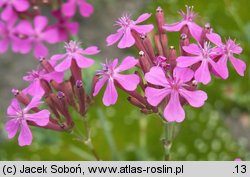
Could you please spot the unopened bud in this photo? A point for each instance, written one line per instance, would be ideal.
(135, 102)
(60, 95)
(160, 20)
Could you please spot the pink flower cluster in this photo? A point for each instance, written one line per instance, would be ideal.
(47, 85)
(167, 81)
(23, 26)
(163, 82)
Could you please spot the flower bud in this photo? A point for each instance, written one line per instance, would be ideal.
(135, 102)
(160, 20)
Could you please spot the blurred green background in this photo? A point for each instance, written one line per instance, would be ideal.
(218, 131)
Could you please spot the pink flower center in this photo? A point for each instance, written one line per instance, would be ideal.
(125, 21)
(174, 83)
(20, 115)
(106, 70)
(230, 47)
(206, 51)
(33, 75)
(72, 47)
(189, 15)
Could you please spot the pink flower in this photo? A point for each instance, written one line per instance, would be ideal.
(64, 26)
(19, 118)
(11, 7)
(203, 56)
(227, 51)
(34, 78)
(38, 35)
(74, 51)
(69, 8)
(187, 20)
(124, 32)
(110, 74)
(175, 87)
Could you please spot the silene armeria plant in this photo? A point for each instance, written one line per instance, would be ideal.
(165, 80)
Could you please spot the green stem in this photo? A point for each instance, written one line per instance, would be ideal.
(168, 138)
(108, 136)
(88, 140)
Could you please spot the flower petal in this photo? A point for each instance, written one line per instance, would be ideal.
(11, 127)
(113, 38)
(40, 22)
(195, 98)
(83, 62)
(128, 82)
(99, 84)
(155, 96)
(34, 103)
(143, 28)
(195, 30)
(34, 89)
(174, 111)
(127, 63)
(156, 76)
(8, 13)
(174, 26)
(40, 50)
(221, 67)
(56, 76)
(86, 9)
(110, 94)
(192, 49)
(21, 5)
(142, 18)
(127, 40)
(202, 74)
(69, 8)
(25, 136)
(41, 118)
(14, 107)
(186, 61)
(51, 36)
(215, 38)
(183, 74)
(72, 27)
(239, 65)
(57, 57)
(91, 50)
(64, 65)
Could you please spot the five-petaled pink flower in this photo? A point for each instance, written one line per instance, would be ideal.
(111, 74)
(75, 52)
(227, 51)
(203, 56)
(11, 7)
(124, 32)
(34, 78)
(187, 20)
(19, 118)
(38, 35)
(69, 8)
(175, 87)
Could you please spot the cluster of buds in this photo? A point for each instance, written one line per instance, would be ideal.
(167, 81)
(47, 86)
(23, 26)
